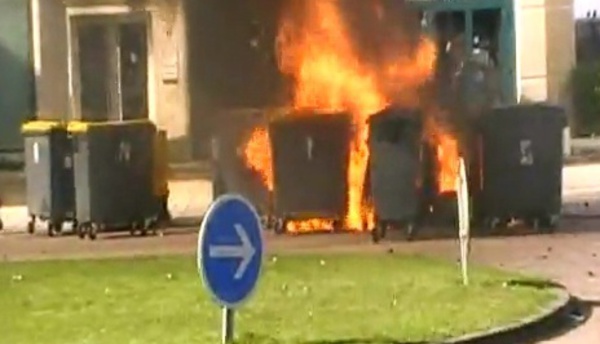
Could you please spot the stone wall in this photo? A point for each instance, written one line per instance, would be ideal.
(560, 33)
(531, 50)
(545, 49)
(167, 79)
(49, 36)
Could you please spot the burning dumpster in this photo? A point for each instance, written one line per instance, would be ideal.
(439, 158)
(310, 156)
(395, 144)
(347, 66)
(522, 164)
(230, 147)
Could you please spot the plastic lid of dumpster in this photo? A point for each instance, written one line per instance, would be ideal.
(306, 116)
(396, 114)
(526, 104)
(40, 126)
(81, 127)
(529, 107)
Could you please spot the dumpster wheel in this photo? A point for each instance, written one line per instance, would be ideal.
(280, 226)
(410, 230)
(267, 221)
(144, 226)
(550, 223)
(31, 226)
(545, 224)
(493, 223)
(151, 224)
(379, 231)
(533, 222)
(135, 226)
(54, 228)
(92, 232)
(87, 229)
(338, 226)
(81, 231)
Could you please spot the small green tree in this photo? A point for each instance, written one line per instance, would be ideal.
(585, 82)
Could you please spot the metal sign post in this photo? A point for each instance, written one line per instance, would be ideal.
(462, 193)
(230, 249)
(227, 325)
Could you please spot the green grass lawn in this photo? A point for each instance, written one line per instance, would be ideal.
(301, 299)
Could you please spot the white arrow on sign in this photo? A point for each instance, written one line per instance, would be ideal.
(245, 251)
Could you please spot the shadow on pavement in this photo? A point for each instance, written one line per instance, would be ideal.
(573, 315)
(125, 233)
(534, 283)
(591, 303)
(186, 222)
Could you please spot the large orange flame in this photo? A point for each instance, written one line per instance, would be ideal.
(316, 48)
(257, 154)
(447, 152)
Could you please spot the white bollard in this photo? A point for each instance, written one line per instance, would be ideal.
(567, 149)
(462, 193)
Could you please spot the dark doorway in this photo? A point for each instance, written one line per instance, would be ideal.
(111, 54)
(133, 52)
(486, 32)
(94, 68)
(452, 47)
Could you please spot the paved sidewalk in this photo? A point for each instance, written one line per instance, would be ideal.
(190, 196)
(189, 200)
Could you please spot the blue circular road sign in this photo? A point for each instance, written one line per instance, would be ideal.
(230, 250)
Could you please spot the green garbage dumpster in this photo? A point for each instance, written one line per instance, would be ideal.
(114, 176)
(49, 175)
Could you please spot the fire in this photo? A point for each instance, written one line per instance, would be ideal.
(309, 225)
(447, 156)
(330, 73)
(447, 152)
(315, 48)
(257, 154)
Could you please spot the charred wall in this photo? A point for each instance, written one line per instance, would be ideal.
(232, 63)
(380, 28)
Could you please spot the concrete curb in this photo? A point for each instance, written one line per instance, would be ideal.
(524, 329)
